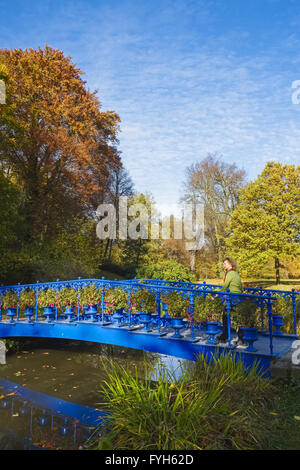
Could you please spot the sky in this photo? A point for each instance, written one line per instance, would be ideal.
(188, 78)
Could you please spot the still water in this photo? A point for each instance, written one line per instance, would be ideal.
(49, 391)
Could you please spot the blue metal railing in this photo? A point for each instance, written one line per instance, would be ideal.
(264, 298)
(259, 291)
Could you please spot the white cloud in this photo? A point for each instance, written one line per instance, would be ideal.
(181, 91)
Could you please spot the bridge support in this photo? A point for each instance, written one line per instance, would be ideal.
(2, 352)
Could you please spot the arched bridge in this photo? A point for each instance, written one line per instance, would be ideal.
(141, 314)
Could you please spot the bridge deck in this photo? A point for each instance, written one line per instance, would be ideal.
(162, 342)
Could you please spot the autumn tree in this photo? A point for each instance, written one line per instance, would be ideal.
(216, 185)
(266, 223)
(53, 137)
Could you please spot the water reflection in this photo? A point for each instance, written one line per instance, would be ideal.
(175, 367)
(33, 420)
(49, 391)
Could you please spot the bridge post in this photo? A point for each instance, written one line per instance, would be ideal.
(36, 302)
(2, 352)
(158, 311)
(228, 311)
(1, 306)
(18, 300)
(269, 311)
(192, 304)
(294, 310)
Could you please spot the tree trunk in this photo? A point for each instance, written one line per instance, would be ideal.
(277, 265)
(192, 260)
(138, 252)
(106, 248)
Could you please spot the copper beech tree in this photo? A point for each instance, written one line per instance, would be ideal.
(54, 139)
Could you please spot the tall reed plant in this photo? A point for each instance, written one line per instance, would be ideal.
(194, 412)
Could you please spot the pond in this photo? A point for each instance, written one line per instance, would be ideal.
(49, 390)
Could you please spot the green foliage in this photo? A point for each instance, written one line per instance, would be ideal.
(208, 308)
(27, 298)
(75, 248)
(245, 313)
(48, 298)
(12, 345)
(9, 299)
(284, 307)
(166, 416)
(11, 224)
(166, 270)
(177, 304)
(115, 299)
(143, 301)
(90, 295)
(266, 223)
(67, 296)
(211, 406)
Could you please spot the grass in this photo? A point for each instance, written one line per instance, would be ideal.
(212, 406)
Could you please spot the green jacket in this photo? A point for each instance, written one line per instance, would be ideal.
(233, 282)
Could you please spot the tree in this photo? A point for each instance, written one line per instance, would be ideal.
(119, 184)
(138, 245)
(266, 223)
(53, 137)
(11, 224)
(215, 184)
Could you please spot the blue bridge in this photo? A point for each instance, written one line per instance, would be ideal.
(150, 326)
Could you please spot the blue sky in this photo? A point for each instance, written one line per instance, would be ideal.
(187, 77)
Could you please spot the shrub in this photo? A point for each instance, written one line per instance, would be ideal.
(143, 301)
(284, 307)
(115, 299)
(245, 313)
(166, 270)
(67, 296)
(212, 405)
(177, 304)
(48, 297)
(90, 295)
(27, 298)
(10, 299)
(208, 308)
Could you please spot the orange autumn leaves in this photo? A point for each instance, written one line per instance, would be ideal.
(53, 136)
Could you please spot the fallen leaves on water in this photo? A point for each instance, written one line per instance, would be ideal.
(18, 373)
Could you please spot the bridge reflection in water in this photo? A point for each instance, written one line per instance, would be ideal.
(34, 420)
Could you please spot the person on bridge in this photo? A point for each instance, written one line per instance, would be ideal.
(233, 282)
